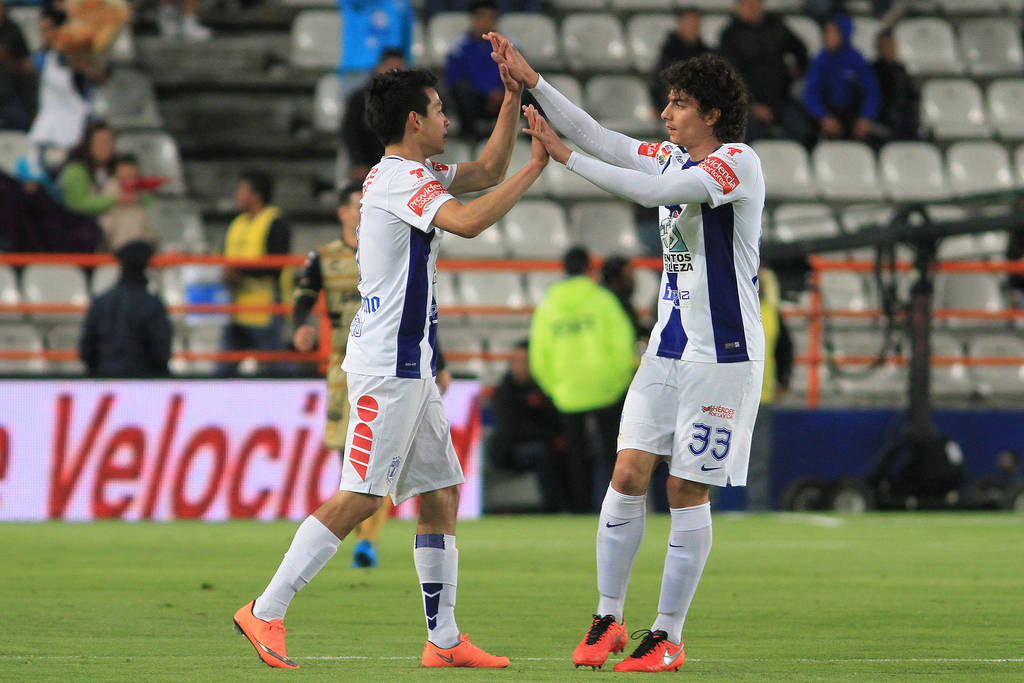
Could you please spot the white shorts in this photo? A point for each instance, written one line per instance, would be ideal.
(398, 440)
(699, 416)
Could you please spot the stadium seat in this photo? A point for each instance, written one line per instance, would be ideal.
(857, 217)
(535, 35)
(537, 283)
(491, 288)
(846, 170)
(594, 42)
(536, 229)
(447, 289)
(21, 338)
(444, 29)
(122, 50)
(712, 26)
(520, 157)
(646, 33)
(202, 338)
(794, 222)
(647, 290)
(316, 39)
(606, 228)
(865, 36)
(991, 47)
(978, 167)
(565, 184)
(637, 5)
(456, 340)
(127, 100)
(455, 151)
(177, 225)
(949, 380)
(327, 104)
(10, 293)
(490, 244)
(421, 53)
(103, 278)
(808, 31)
(621, 103)
(65, 338)
(581, 5)
(13, 145)
(953, 108)
(568, 86)
(712, 5)
(1006, 107)
(927, 46)
(158, 155)
(998, 379)
(787, 170)
(172, 287)
(48, 284)
(913, 171)
(845, 291)
(306, 237)
(992, 244)
(27, 19)
(953, 7)
(969, 291)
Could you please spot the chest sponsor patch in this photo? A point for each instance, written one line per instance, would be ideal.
(648, 149)
(722, 173)
(424, 196)
(438, 166)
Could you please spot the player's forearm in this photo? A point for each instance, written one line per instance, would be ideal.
(304, 302)
(497, 153)
(647, 190)
(581, 128)
(472, 218)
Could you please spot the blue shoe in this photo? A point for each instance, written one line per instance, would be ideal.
(364, 556)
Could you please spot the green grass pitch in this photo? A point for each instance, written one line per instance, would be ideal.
(876, 597)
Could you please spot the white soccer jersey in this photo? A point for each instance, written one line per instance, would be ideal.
(394, 334)
(708, 310)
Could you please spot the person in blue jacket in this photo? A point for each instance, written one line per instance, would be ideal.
(841, 91)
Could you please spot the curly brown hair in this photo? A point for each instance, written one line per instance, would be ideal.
(715, 84)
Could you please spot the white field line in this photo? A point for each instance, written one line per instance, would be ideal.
(813, 520)
(803, 660)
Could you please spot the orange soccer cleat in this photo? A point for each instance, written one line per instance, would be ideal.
(606, 636)
(655, 653)
(464, 654)
(266, 636)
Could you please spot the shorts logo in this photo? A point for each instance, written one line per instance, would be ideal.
(395, 462)
(719, 411)
(648, 149)
(438, 166)
(359, 454)
(425, 195)
(721, 173)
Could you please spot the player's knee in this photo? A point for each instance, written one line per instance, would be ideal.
(630, 477)
(684, 493)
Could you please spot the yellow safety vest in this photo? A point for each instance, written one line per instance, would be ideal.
(247, 238)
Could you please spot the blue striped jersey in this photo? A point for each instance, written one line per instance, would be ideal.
(394, 333)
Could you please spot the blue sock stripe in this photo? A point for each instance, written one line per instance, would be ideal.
(431, 601)
(430, 541)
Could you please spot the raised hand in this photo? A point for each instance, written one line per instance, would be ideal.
(511, 85)
(504, 52)
(542, 133)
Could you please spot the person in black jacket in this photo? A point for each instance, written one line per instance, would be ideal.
(363, 148)
(770, 58)
(679, 45)
(127, 332)
(900, 112)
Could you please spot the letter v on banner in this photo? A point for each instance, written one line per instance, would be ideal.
(62, 484)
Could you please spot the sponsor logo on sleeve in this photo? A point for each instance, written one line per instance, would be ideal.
(438, 166)
(648, 149)
(426, 194)
(722, 173)
(719, 411)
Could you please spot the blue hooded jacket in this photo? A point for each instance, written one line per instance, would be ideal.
(838, 80)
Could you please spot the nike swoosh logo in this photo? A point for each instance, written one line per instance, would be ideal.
(676, 546)
(610, 525)
(449, 658)
(274, 654)
(669, 659)
(705, 468)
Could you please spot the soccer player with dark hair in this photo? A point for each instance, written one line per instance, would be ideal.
(398, 440)
(695, 396)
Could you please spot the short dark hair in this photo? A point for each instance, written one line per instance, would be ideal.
(347, 191)
(523, 344)
(576, 261)
(390, 53)
(261, 183)
(126, 159)
(884, 33)
(613, 268)
(57, 16)
(392, 95)
(715, 84)
(483, 4)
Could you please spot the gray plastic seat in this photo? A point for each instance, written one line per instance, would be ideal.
(536, 229)
(177, 225)
(807, 30)
(927, 46)
(846, 170)
(490, 244)
(568, 85)
(794, 222)
(316, 39)
(21, 337)
(535, 35)
(128, 100)
(444, 29)
(621, 103)
(646, 33)
(1006, 107)
(10, 293)
(998, 379)
(537, 283)
(712, 26)
(65, 338)
(969, 291)
(54, 284)
(787, 170)
(491, 288)
(954, 108)
(991, 47)
(913, 171)
(328, 107)
(13, 145)
(978, 167)
(607, 228)
(594, 42)
(949, 380)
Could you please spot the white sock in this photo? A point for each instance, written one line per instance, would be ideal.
(689, 544)
(620, 529)
(437, 565)
(313, 546)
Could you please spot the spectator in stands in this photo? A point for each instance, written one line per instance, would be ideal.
(681, 44)
(583, 355)
(179, 21)
(617, 277)
(83, 180)
(126, 331)
(16, 75)
(900, 110)
(770, 58)
(50, 21)
(362, 145)
(504, 6)
(367, 29)
(1015, 252)
(841, 91)
(126, 221)
(471, 77)
(778, 368)
(526, 431)
(257, 231)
